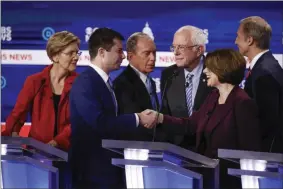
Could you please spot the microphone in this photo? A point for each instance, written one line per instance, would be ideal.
(19, 118)
(175, 73)
(271, 145)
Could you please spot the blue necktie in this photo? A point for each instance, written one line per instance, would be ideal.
(112, 94)
(189, 93)
(151, 92)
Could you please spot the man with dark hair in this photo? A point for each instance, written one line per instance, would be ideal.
(264, 82)
(93, 108)
(135, 90)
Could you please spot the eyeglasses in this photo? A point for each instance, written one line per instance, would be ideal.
(73, 53)
(181, 48)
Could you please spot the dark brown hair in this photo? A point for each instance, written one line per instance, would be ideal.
(102, 37)
(229, 65)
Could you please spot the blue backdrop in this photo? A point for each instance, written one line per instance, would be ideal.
(27, 25)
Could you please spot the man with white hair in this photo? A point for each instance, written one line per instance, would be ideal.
(183, 85)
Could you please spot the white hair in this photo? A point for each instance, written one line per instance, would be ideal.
(198, 36)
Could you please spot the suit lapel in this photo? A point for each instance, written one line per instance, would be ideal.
(201, 92)
(213, 118)
(139, 88)
(249, 81)
(176, 94)
(106, 95)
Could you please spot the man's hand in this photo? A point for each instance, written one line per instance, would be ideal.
(53, 143)
(155, 114)
(148, 118)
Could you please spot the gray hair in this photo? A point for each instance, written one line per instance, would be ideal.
(258, 29)
(198, 36)
(133, 40)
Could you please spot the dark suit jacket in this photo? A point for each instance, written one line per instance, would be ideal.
(234, 125)
(174, 101)
(132, 97)
(265, 85)
(93, 118)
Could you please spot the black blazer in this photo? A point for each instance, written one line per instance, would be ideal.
(265, 85)
(174, 101)
(132, 97)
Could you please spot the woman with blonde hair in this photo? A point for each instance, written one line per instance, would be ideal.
(46, 94)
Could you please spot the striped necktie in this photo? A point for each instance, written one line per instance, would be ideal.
(189, 93)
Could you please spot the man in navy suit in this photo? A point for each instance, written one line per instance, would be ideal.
(264, 82)
(94, 116)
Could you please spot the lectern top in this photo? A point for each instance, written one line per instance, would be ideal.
(30, 146)
(241, 154)
(159, 148)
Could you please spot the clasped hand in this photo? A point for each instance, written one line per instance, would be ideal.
(149, 118)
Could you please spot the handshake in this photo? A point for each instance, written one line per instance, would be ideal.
(150, 118)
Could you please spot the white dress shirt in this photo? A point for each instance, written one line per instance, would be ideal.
(255, 59)
(105, 78)
(140, 74)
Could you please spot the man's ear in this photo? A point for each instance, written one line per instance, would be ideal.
(200, 50)
(101, 52)
(250, 40)
(129, 55)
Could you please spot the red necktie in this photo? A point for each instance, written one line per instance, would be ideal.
(248, 73)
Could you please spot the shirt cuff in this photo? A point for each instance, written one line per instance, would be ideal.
(137, 120)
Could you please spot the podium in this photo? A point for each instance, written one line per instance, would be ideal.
(162, 165)
(257, 169)
(27, 163)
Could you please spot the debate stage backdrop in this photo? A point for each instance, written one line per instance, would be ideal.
(26, 26)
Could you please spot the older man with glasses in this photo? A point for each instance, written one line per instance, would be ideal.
(183, 85)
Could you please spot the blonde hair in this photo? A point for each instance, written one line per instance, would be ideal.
(59, 41)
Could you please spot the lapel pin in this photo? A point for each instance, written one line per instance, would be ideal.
(203, 80)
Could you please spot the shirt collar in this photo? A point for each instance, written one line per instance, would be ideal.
(102, 74)
(140, 74)
(255, 59)
(196, 72)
